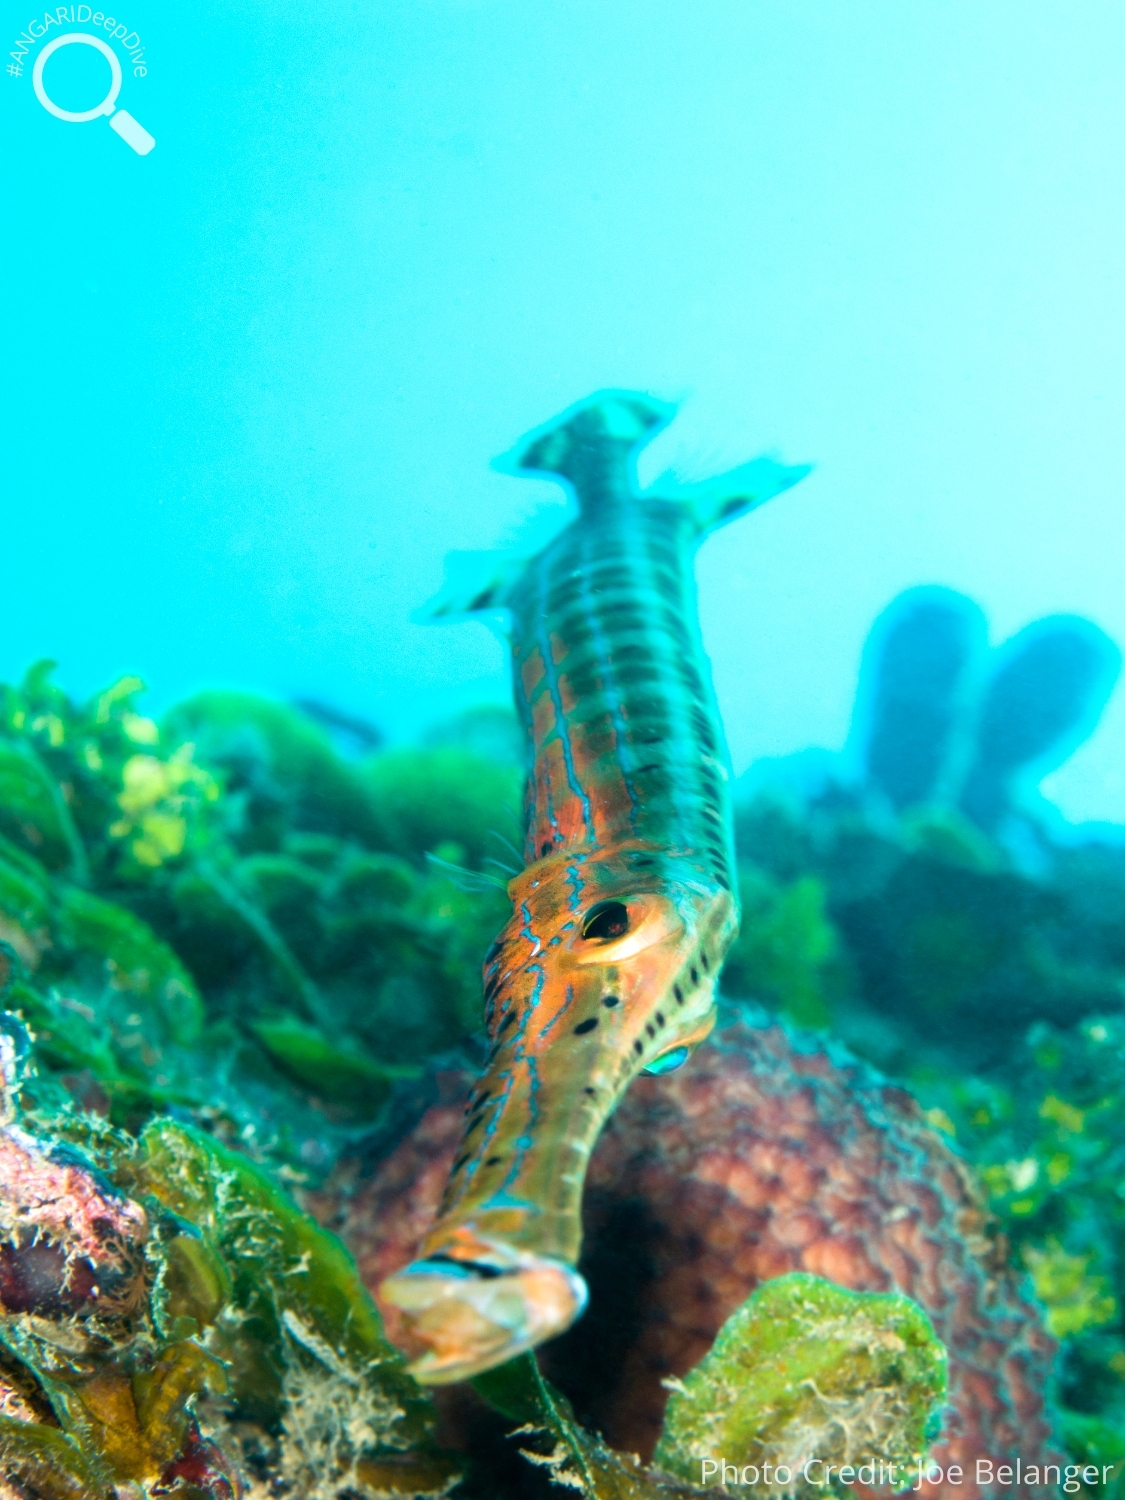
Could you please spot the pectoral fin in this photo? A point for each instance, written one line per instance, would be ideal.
(474, 581)
(714, 502)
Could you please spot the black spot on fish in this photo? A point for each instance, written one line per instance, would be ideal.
(493, 1161)
(584, 1026)
(706, 962)
(609, 1001)
(650, 1028)
(679, 994)
(545, 849)
(591, 1092)
(638, 1048)
(507, 1021)
(660, 1018)
(478, 1267)
(695, 975)
(461, 1160)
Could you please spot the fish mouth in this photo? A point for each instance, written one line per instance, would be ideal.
(475, 1306)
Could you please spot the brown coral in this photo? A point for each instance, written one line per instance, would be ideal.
(763, 1156)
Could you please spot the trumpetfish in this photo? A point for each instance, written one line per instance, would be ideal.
(628, 903)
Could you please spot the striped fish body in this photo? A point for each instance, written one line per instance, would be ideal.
(625, 910)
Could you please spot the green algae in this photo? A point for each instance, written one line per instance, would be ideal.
(1048, 1143)
(786, 950)
(805, 1375)
(282, 765)
(424, 799)
(573, 1457)
(298, 1335)
(242, 923)
(330, 1072)
(248, 1316)
(48, 1462)
(128, 956)
(1075, 1298)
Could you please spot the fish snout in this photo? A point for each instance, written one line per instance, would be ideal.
(479, 1303)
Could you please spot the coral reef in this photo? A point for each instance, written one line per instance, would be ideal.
(189, 940)
(150, 1286)
(994, 995)
(1047, 1140)
(900, 935)
(222, 928)
(760, 1159)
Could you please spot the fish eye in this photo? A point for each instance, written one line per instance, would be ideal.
(614, 931)
(609, 919)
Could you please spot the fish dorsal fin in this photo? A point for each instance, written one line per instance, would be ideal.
(713, 502)
(593, 446)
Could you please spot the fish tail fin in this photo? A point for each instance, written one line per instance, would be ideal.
(592, 446)
(714, 502)
(474, 582)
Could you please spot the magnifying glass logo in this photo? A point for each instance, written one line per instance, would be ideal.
(120, 120)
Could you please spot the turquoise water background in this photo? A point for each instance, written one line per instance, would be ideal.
(255, 378)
